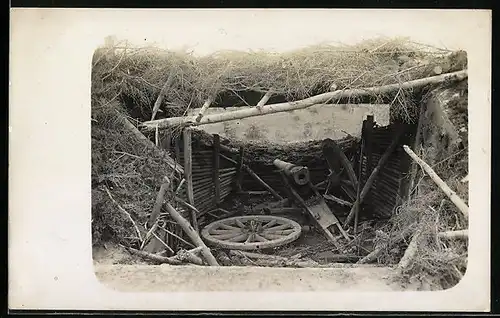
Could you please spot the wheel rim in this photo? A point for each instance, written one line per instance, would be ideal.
(251, 232)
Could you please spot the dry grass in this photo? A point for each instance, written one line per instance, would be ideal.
(137, 75)
(439, 263)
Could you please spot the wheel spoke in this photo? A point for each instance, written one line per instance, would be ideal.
(271, 223)
(239, 238)
(219, 231)
(259, 238)
(250, 238)
(279, 232)
(239, 223)
(271, 236)
(279, 227)
(227, 236)
(228, 227)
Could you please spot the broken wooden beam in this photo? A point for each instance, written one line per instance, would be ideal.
(193, 235)
(145, 140)
(264, 100)
(335, 156)
(262, 182)
(459, 203)
(162, 94)
(337, 200)
(203, 109)
(160, 197)
(308, 102)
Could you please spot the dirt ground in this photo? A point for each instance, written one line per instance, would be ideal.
(136, 276)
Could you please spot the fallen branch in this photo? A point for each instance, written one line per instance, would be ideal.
(187, 257)
(193, 235)
(377, 251)
(410, 253)
(159, 201)
(308, 102)
(180, 258)
(203, 109)
(461, 234)
(162, 94)
(274, 261)
(187, 205)
(262, 182)
(459, 203)
(337, 200)
(154, 257)
(124, 212)
(264, 100)
(158, 152)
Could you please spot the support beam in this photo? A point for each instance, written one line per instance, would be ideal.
(262, 182)
(239, 169)
(203, 109)
(188, 172)
(193, 235)
(159, 202)
(145, 140)
(216, 161)
(162, 94)
(264, 100)
(459, 203)
(357, 203)
(308, 102)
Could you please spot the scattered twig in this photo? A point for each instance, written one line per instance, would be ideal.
(125, 212)
(459, 203)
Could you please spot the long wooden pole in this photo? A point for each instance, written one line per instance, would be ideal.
(366, 188)
(262, 182)
(193, 235)
(159, 152)
(203, 109)
(460, 234)
(188, 172)
(163, 91)
(459, 203)
(264, 100)
(308, 102)
(239, 169)
(358, 187)
(159, 201)
(216, 177)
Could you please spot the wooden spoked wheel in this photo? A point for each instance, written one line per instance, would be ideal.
(251, 232)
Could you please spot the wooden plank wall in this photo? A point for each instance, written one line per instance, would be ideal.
(203, 176)
(387, 189)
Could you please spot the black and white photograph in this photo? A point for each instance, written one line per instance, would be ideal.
(276, 158)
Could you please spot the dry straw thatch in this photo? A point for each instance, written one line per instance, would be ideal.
(136, 76)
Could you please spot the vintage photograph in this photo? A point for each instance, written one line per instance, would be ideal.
(351, 159)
